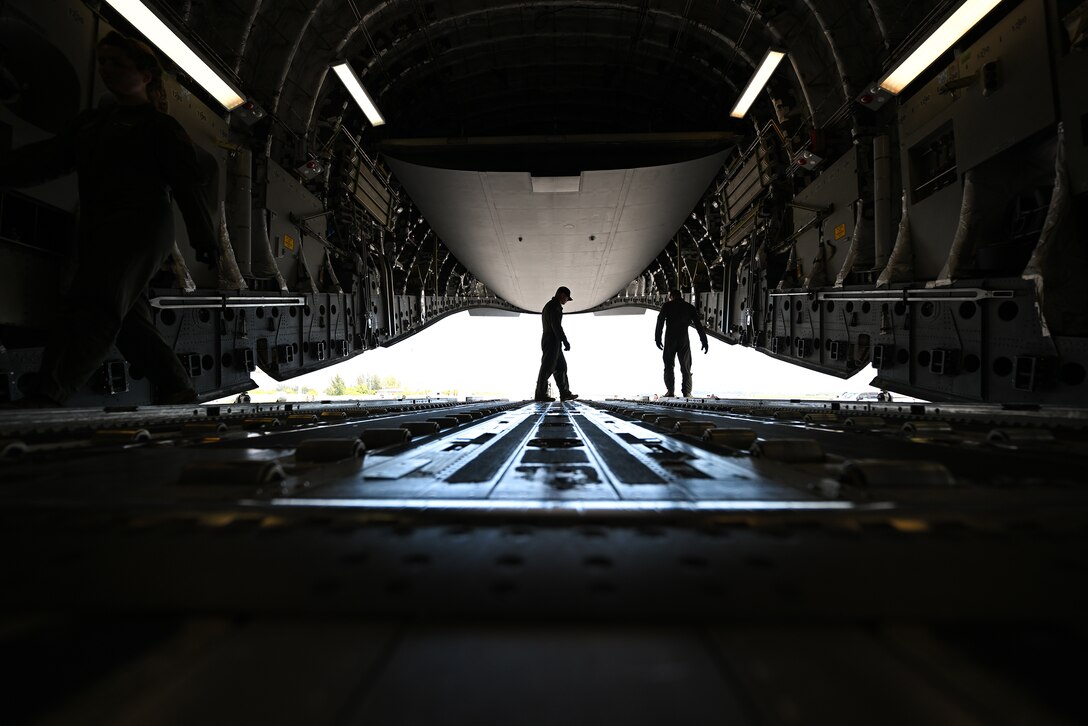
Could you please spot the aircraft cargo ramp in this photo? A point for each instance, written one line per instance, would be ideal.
(421, 561)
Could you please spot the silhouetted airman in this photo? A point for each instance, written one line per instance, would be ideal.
(552, 361)
(675, 317)
(133, 162)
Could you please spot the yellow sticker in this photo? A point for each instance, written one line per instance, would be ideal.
(840, 231)
(289, 241)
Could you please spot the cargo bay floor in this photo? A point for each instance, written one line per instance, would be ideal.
(423, 561)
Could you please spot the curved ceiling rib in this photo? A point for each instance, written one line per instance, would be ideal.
(458, 23)
(469, 68)
(456, 20)
(829, 38)
(294, 68)
(878, 18)
(247, 29)
(289, 60)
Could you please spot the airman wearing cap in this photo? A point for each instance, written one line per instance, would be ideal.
(553, 364)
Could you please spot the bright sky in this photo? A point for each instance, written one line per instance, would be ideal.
(610, 356)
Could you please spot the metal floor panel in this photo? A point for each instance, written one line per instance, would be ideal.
(217, 672)
(598, 562)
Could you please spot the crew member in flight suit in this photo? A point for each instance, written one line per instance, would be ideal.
(131, 158)
(675, 317)
(552, 360)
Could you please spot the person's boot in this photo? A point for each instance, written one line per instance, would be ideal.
(542, 394)
(564, 387)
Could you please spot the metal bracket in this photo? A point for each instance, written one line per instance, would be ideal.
(191, 363)
(955, 294)
(1030, 372)
(883, 355)
(245, 359)
(944, 362)
(223, 302)
(957, 84)
(114, 377)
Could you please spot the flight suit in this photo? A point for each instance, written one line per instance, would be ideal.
(552, 361)
(675, 317)
(131, 160)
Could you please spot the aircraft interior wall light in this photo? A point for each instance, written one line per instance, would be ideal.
(248, 113)
(757, 82)
(310, 169)
(952, 29)
(355, 88)
(177, 49)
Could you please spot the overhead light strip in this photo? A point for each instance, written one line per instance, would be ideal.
(757, 82)
(178, 50)
(355, 88)
(941, 40)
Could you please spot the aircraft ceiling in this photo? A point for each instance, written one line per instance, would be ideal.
(473, 68)
(455, 69)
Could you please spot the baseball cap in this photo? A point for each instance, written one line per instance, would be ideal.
(563, 291)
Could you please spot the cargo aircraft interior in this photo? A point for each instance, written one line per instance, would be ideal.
(885, 188)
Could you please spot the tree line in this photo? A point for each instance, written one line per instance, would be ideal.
(371, 383)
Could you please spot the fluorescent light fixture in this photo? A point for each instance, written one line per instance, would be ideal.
(347, 75)
(177, 50)
(941, 40)
(757, 82)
